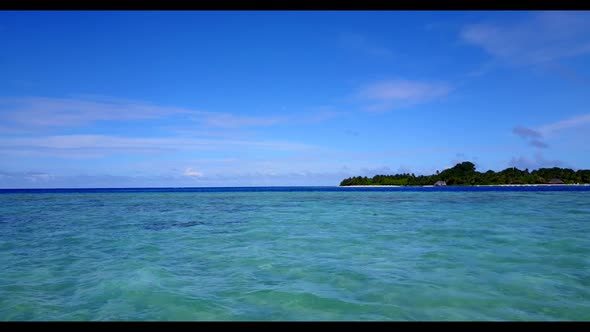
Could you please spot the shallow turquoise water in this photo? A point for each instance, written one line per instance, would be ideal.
(340, 255)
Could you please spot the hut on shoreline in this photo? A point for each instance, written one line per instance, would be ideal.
(555, 181)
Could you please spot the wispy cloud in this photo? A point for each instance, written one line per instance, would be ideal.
(315, 115)
(482, 69)
(534, 137)
(321, 115)
(537, 137)
(576, 121)
(104, 144)
(12, 130)
(45, 180)
(542, 37)
(228, 120)
(38, 177)
(192, 173)
(461, 157)
(539, 144)
(389, 95)
(538, 161)
(27, 177)
(361, 43)
(32, 113)
(570, 75)
(370, 172)
(526, 132)
(64, 112)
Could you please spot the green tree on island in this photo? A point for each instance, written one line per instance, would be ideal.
(464, 174)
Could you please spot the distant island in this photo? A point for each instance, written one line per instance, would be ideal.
(464, 174)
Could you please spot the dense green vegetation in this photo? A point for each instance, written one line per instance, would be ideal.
(464, 174)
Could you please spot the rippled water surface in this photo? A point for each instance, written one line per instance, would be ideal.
(286, 254)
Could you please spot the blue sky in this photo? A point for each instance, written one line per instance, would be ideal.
(245, 98)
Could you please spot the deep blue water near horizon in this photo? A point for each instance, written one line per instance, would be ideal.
(295, 253)
(300, 188)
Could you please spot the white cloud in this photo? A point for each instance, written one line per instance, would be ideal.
(40, 112)
(396, 93)
(293, 178)
(192, 173)
(575, 121)
(38, 177)
(227, 120)
(64, 112)
(111, 144)
(26, 177)
(543, 37)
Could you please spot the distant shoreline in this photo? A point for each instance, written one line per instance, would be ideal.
(465, 174)
(476, 185)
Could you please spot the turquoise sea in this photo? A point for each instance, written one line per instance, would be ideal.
(360, 254)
